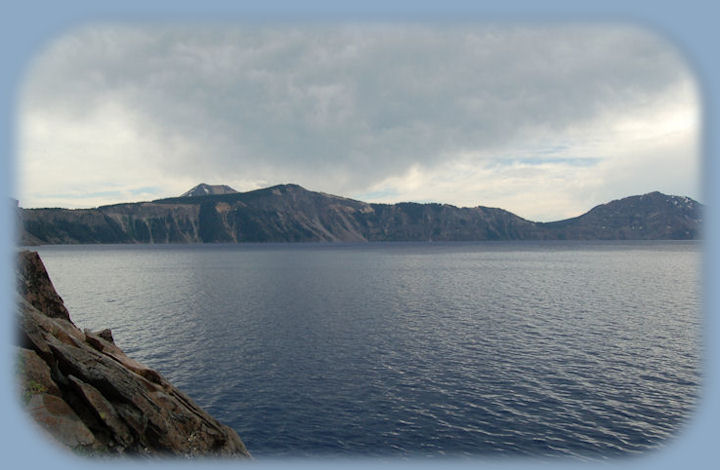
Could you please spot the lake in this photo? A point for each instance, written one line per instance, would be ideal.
(589, 349)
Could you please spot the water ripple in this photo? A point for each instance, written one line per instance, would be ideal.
(587, 350)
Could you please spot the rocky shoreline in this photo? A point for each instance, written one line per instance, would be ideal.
(88, 395)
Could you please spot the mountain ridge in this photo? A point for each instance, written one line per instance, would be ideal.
(291, 213)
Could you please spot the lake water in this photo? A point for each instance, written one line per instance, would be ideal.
(541, 348)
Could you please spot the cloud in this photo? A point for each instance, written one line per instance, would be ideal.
(356, 109)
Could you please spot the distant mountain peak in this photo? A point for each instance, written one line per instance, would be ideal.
(203, 189)
(656, 197)
(287, 186)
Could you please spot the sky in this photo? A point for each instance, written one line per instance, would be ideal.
(544, 120)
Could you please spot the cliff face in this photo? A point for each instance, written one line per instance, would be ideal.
(82, 389)
(122, 223)
(290, 213)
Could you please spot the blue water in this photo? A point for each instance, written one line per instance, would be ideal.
(542, 348)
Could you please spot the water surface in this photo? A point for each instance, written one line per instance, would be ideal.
(541, 348)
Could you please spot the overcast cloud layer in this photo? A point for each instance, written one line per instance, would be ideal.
(543, 120)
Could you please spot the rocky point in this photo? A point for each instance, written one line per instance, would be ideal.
(82, 389)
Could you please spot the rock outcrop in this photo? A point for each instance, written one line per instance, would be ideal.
(81, 388)
(290, 213)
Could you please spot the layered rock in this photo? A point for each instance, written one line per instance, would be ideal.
(82, 388)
